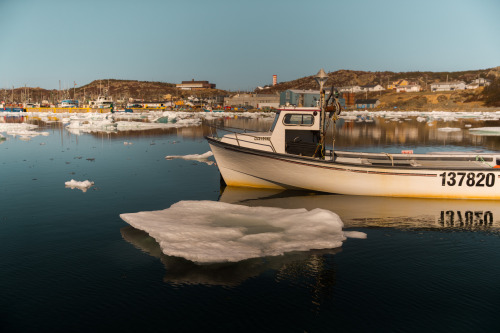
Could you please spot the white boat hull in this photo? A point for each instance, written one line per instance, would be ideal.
(253, 168)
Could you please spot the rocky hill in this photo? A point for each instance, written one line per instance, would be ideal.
(348, 78)
(154, 91)
(425, 100)
(118, 89)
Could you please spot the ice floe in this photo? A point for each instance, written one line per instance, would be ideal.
(82, 185)
(449, 129)
(208, 231)
(24, 131)
(485, 131)
(193, 157)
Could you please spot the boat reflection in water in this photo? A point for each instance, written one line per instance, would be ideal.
(364, 211)
(355, 212)
(316, 265)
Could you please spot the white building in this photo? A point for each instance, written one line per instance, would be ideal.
(351, 89)
(448, 86)
(478, 83)
(409, 88)
(372, 87)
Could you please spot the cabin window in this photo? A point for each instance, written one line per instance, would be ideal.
(275, 121)
(298, 119)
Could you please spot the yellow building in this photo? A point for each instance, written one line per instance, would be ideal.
(398, 83)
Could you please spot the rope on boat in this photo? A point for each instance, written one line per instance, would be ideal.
(333, 117)
(480, 158)
(391, 157)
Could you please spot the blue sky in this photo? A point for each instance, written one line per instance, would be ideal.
(239, 45)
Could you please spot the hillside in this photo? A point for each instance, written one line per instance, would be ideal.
(348, 78)
(118, 89)
(426, 100)
(154, 91)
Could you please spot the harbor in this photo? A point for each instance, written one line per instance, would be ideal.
(203, 167)
(395, 254)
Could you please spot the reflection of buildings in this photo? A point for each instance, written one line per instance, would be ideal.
(394, 132)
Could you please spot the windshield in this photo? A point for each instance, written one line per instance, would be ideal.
(275, 121)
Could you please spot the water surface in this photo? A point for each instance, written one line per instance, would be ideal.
(69, 263)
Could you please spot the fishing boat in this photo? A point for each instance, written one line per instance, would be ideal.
(69, 103)
(209, 109)
(102, 102)
(292, 155)
(10, 107)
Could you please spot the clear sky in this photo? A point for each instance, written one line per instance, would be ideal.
(239, 45)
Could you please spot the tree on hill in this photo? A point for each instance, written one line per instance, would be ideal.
(491, 93)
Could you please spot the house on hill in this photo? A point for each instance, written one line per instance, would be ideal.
(372, 87)
(448, 86)
(366, 103)
(350, 89)
(195, 85)
(481, 82)
(398, 83)
(404, 86)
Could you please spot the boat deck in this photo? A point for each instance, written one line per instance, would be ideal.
(439, 161)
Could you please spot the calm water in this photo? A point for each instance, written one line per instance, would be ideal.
(69, 263)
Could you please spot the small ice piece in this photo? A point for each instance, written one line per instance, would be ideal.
(485, 131)
(209, 231)
(191, 157)
(449, 129)
(355, 234)
(84, 185)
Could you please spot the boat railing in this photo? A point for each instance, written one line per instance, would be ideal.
(240, 136)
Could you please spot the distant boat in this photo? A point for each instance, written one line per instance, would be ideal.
(5, 107)
(69, 103)
(102, 102)
(209, 109)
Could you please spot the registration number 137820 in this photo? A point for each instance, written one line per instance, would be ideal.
(479, 179)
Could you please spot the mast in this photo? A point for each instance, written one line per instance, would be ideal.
(321, 78)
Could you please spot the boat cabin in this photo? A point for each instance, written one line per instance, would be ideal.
(295, 130)
(69, 103)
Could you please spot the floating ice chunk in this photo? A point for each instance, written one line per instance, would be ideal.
(84, 186)
(355, 234)
(449, 129)
(191, 157)
(208, 231)
(194, 157)
(8, 127)
(485, 131)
